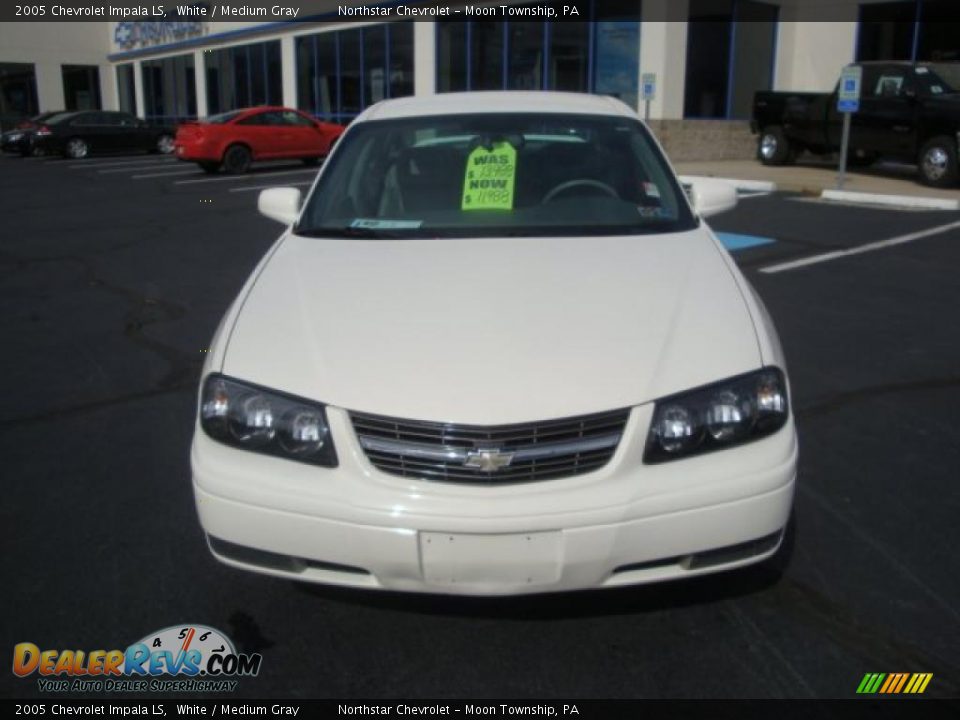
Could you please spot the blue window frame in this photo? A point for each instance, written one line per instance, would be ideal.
(340, 73)
(731, 53)
(598, 54)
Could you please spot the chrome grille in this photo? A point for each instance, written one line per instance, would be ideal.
(494, 454)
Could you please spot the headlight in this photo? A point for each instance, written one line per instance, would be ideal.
(264, 421)
(716, 416)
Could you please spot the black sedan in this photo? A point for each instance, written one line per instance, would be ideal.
(78, 134)
(20, 139)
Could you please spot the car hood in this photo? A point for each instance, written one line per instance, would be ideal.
(490, 331)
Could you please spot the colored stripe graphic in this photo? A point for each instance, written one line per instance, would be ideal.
(735, 241)
(894, 683)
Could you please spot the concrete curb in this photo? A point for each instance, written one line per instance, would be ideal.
(928, 203)
(748, 185)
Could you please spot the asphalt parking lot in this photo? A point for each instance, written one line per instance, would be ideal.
(114, 273)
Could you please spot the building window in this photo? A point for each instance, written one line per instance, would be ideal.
(575, 56)
(451, 56)
(731, 47)
(342, 72)
(886, 31)
(568, 56)
(400, 58)
(81, 87)
(244, 76)
(616, 67)
(525, 56)
(486, 55)
(18, 92)
(938, 32)
(169, 89)
(924, 30)
(126, 88)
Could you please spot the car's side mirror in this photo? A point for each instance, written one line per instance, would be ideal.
(710, 196)
(280, 204)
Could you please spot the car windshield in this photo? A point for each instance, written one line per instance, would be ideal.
(940, 79)
(496, 174)
(222, 117)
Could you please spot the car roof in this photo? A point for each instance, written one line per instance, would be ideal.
(261, 108)
(501, 101)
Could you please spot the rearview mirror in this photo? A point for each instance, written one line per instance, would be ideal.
(281, 204)
(710, 196)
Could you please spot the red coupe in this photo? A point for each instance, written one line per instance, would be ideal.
(235, 139)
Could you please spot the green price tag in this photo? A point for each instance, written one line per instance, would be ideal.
(489, 178)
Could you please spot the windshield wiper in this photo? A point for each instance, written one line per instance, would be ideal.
(350, 232)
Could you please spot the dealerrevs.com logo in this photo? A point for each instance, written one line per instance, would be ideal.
(182, 658)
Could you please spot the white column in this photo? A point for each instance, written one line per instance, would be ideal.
(288, 61)
(424, 58)
(109, 91)
(810, 55)
(138, 89)
(49, 78)
(200, 83)
(815, 39)
(663, 51)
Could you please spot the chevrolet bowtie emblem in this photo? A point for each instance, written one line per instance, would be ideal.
(488, 460)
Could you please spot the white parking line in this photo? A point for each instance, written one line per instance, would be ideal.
(824, 257)
(164, 174)
(133, 168)
(110, 162)
(234, 178)
(264, 187)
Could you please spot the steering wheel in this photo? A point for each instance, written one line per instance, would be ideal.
(586, 182)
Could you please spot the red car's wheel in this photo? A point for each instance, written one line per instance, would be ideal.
(237, 159)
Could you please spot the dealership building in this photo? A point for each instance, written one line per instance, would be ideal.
(708, 56)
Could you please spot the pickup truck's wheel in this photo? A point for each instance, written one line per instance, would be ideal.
(774, 148)
(938, 162)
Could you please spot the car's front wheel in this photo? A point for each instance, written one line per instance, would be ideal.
(164, 144)
(938, 162)
(236, 160)
(76, 148)
(774, 148)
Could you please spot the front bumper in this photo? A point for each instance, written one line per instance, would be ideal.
(624, 524)
(19, 145)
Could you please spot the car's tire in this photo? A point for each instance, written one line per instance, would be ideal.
(311, 161)
(163, 144)
(76, 148)
(210, 167)
(773, 146)
(937, 162)
(237, 159)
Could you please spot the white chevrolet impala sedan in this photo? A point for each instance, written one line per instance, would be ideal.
(497, 350)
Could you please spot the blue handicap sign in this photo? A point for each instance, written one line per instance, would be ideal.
(848, 106)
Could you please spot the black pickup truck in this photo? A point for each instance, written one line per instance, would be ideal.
(908, 112)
